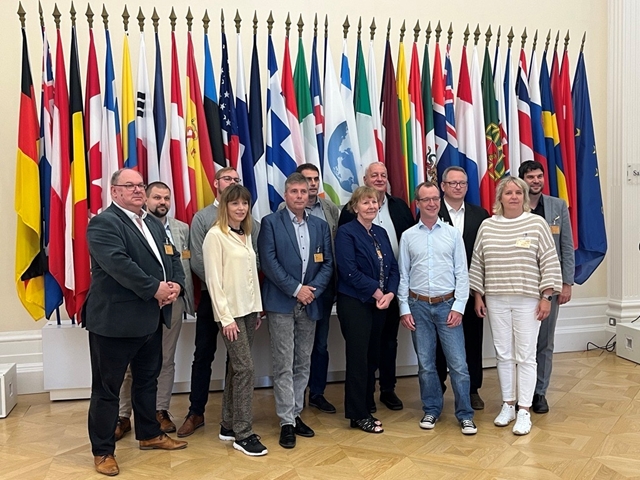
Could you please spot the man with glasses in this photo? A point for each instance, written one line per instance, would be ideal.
(206, 327)
(136, 276)
(433, 291)
(467, 219)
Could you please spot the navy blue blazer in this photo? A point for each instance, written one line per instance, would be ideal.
(125, 275)
(358, 265)
(281, 262)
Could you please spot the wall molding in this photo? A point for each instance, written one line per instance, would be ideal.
(580, 321)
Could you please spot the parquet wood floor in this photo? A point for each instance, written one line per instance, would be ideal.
(591, 432)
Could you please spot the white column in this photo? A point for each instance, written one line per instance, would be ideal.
(623, 157)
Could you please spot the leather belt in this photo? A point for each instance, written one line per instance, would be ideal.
(431, 300)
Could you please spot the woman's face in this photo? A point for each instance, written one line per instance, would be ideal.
(512, 199)
(237, 210)
(367, 208)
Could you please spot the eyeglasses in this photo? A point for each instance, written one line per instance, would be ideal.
(132, 186)
(456, 184)
(429, 199)
(229, 179)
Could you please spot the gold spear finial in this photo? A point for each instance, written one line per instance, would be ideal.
(584, 38)
(155, 18)
(125, 19)
(22, 15)
(402, 30)
(555, 46)
(359, 27)
(300, 26)
(105, 17)
(39, 12)
(465, 35)
(476, 35)
(345, 26)
(255, 23)
(510, 37)
(56, 16)
(287, 25)
(222, 20)
(88, 14)
(498, 36)
(141, 19)
(270, 22)
(172, 19)
(547, 41)
(315, 25)
(487, 37)
(73, 12)
(566, 41)
(189, 18)
(388, 30)
(205, 22)
(372, 28)
(237, 20)
(535, 41)
(523, 38)
(450, 34)
(416, 31)
(438, 32)
(326, 26)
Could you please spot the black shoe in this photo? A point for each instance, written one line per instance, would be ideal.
(287, 436)
(476, 402)
(251, 446)
(302, 429)
(321, 404)
(226, 434)
(373, 408)
(539, 404)
(391, 400)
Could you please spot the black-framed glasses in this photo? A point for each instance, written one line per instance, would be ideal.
(132, 186)
(456, 184)
(229, 179)
(428, 199)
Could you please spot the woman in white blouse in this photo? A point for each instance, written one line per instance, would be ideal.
(232, 279)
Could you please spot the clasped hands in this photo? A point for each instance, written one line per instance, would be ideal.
(167, 293)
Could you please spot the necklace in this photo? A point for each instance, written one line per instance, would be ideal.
(237, 231)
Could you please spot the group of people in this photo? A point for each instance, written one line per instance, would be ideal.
(437, 274)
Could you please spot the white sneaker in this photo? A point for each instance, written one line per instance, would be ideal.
(506, 415)
(523, 423)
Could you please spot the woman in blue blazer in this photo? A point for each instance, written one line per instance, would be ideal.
(367, 282)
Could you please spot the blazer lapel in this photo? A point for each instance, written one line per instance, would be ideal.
(288, 227)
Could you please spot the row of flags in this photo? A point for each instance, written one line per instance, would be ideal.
(338, 120)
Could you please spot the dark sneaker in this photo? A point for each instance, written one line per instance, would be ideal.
(251, 446)
(226, 434)
(428, 422)
(468, 427)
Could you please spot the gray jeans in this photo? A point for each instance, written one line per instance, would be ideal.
(237, 400)
(544, 351)
(291, 345)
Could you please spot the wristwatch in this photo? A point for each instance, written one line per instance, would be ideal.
(548, 298)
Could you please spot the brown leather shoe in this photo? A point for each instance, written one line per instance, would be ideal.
(106, 465)
(162, 442)
(166, 425)
(123, 426)
(191, 423)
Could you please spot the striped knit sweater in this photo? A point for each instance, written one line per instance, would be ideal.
(515, 257)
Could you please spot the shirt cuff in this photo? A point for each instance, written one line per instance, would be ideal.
(297, 290)
(458, 306)
(404, 308)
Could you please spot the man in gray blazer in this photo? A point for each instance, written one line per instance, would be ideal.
(158, 205)
(556, 213)
(136, 276)
(297, 261)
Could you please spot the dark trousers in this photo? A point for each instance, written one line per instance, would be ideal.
(110, 357)
(206, 344)
(473, 327)
(361, 325)
(320, 352)
(389, 348)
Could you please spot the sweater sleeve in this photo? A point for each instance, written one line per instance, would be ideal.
(476, 272)
(550, 272)
(212, 255)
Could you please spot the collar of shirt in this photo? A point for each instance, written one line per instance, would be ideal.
(294, 218)
(132, 215)
(452, 210)
(216, 203)
(439, 223)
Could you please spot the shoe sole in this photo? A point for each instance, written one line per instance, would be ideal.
(169, 430)
(183, 435)
(227, 438)
(287, 445)
(306, 435)
(251, 454)
(477, 407)
(393, 407)
(470, 432)
(522, 433)
(323, 410)
(503, 424)
(540, 411)
(427, 426)
(160, 448)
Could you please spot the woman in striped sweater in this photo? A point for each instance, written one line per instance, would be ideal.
(516, 269)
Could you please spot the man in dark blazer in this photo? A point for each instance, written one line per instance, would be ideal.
(297, 261)
(395, 217)
(555, 212)
(467, 218)
(135, 277)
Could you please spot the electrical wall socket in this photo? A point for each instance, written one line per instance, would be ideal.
(612, 322)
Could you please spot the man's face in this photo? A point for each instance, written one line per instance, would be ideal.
(129, 192)
(228, 178)
(159, 202)
(376, 178)
(535, 180)
(313, 178)
(429, 203)
(296, 197)
(455, 186)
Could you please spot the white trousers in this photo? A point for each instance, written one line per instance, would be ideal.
(515, 334)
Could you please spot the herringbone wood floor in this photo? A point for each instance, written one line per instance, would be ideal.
(591, 432)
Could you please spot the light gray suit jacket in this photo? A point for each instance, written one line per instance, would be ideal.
(556, 214)
(180, 234)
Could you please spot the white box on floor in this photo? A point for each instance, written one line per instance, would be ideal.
(628, 341)
(8, 388)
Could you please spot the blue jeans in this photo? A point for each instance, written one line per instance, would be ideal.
(431, 323)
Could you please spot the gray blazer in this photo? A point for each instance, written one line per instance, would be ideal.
(180, 234)
(556, 214)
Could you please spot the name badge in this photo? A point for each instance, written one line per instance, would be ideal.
(523, 243)
(318, 257)
(168, 249)
(555, 229)
(186, 254)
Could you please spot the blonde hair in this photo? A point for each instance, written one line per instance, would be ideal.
(497, 205)
(231, 194)
(359, 194)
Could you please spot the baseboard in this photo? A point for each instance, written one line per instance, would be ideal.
(581, 321)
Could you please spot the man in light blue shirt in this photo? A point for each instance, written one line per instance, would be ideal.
(433, 292)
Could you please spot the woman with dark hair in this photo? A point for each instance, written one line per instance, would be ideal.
(368, 279)
(232, 279)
